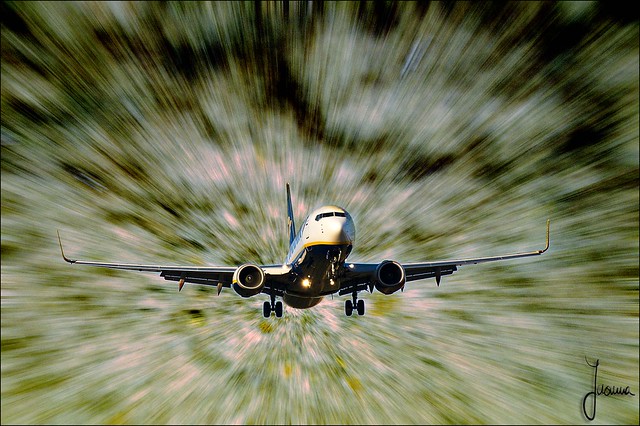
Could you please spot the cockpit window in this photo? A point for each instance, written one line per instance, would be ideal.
(322, 215)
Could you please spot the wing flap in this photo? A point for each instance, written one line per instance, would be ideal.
(204, 278)
(414, 274)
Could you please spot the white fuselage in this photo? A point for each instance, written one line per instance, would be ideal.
(317, 254)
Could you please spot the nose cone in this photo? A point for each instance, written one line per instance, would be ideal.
(337, 230)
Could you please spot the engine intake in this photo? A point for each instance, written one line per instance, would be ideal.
(389, 277)
(248, 280)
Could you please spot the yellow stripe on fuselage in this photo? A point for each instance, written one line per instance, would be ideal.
(326, 243)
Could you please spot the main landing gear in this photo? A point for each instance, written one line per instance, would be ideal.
(358, 304)
(270, 306)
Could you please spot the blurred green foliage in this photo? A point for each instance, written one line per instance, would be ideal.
(164, 132)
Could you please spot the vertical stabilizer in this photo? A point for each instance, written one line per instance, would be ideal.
(292, 225)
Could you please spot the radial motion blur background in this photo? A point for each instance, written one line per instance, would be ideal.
(165, 132)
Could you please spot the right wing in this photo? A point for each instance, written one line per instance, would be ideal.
(218, 276)
(358, 276)
(421, 270)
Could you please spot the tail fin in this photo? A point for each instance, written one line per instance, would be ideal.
(292, 226)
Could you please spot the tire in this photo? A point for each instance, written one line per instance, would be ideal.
(266, 309)
(348, 308)
(279, 309)
(360, 307)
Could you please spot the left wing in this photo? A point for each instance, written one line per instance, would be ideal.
(358, 276)
(218, 276)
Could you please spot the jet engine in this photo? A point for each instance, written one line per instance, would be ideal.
(248, 280)
(389, 277)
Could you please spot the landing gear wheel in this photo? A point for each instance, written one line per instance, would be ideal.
(348, 308)
(266, 309)
(360, 306)
(278, 309)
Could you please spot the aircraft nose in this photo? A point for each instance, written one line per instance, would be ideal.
(335, 231)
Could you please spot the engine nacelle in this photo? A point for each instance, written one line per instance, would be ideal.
(248, 280)
(389, 277)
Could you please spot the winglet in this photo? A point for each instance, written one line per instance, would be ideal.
(548, 241)
(62, 251)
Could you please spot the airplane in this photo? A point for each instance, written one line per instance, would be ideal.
(315, 266)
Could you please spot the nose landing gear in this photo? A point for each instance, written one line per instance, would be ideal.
(333, 256)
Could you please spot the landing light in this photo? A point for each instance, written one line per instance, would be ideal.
(306, 283)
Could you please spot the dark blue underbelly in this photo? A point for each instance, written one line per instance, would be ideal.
(314, 274)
